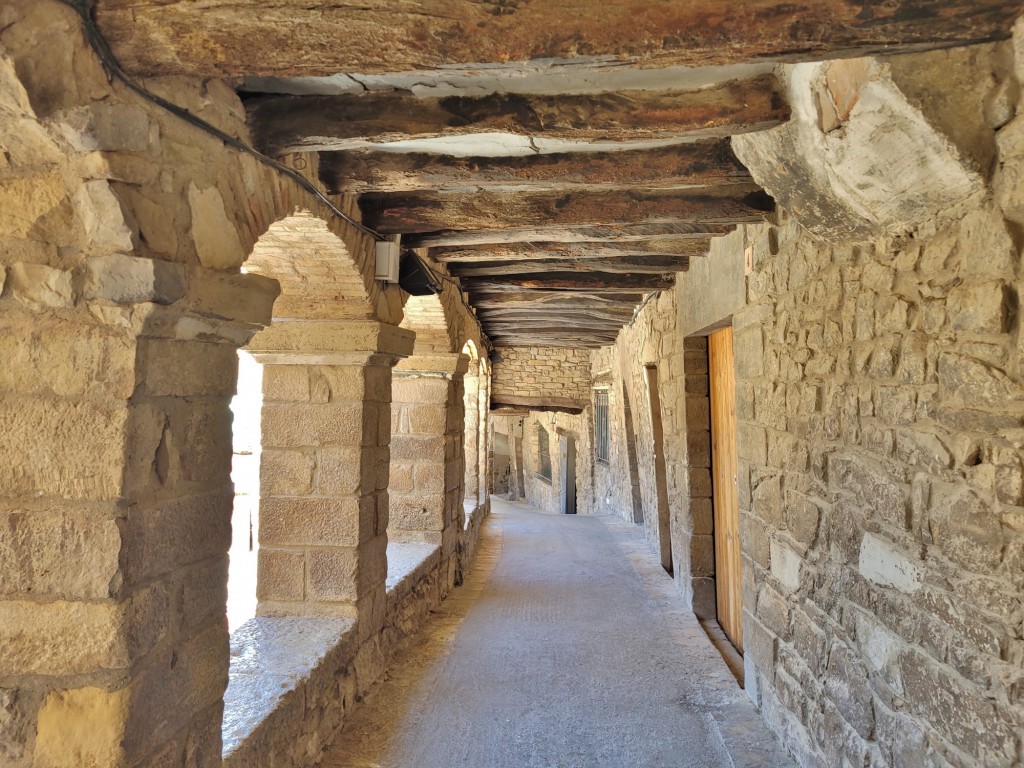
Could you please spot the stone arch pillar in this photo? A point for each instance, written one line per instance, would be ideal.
(427, 466)
(325, 430)
(116, 505)
(324, 468)
(426, 456)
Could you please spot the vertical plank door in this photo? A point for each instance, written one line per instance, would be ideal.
(728, 567)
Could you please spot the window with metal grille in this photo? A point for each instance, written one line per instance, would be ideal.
(543, 453)
(602, 441)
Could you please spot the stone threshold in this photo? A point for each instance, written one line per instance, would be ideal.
(281, 667)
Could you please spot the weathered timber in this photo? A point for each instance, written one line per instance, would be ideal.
(549, 403)
(622, 266)
(556, 313)
(570, 306)
(570, 281)
(570, 251)
(408, 212)
(678, 231)
(321, 123)
(223, 38)
(701, 163)
(552, 332)
(530, 297)
(546, 325)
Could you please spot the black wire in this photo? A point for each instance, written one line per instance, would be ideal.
(113, 67)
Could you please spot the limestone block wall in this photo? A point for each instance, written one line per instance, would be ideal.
(122, 234)
(543, 372)
(879, 391)
(879, 399)
(658, 338)
(426, 486)
(544, 493)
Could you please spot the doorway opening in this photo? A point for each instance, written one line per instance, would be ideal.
(567, 473)
(657, 432)
(725, 495)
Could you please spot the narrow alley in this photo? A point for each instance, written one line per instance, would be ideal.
(556, 652)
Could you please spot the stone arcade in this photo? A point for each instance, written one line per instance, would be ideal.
(630, 212)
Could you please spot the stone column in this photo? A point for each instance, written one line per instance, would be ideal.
(427, 463)
(324, 467)
(115, 509)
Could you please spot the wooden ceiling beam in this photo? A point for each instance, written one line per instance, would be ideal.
(622, 266)
(483, 299)
(545, 233)
(570, 281)
(224, 39)
(570, 251)
(284, 124)
(513, 403)
(679, 231)
(557, 314)
(410, 213)
(702, 163)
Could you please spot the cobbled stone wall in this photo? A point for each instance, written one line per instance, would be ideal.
(543, 372)
(544, 493)
(880, 422)
(880, 406)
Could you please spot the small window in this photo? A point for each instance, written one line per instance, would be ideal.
(601, 437)
(543, 453)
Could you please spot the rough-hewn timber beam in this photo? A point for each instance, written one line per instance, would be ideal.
(676, 231)
(560, 314)
(310, 123)
(565, 404)
(571, 281)
(701, 163)
(622, 266)
(223, 38)
(528, 298)
(551, 331)
(568, 251)
(412, 212)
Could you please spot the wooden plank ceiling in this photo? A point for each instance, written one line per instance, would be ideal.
(562, 163)
(555, 248)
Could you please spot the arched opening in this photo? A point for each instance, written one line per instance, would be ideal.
(290, 465)
(471, 433)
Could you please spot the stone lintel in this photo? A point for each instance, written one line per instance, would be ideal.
(446, 365)
(329, 342)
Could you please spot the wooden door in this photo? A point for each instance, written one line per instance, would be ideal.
(728, 567)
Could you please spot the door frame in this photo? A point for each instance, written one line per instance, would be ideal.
(660, 471)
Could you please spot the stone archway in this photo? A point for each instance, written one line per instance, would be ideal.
(327, 363)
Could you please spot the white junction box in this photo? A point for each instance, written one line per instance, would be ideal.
(389, 254)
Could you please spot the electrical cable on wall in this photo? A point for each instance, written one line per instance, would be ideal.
(114, 69)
